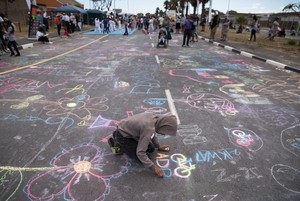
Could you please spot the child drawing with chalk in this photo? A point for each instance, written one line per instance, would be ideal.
(136, 136)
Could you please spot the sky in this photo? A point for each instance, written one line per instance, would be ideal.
(241, 6)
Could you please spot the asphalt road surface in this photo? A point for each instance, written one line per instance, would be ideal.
(238, 136)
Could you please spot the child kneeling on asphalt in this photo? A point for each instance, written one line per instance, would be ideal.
(136, 136)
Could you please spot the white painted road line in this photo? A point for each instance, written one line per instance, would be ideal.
(171, 105)
(157, 59)
(152, 44)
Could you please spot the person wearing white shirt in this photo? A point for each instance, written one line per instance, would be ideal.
(40, 36)
(66, 20)
(151, 28)
(97, 25)
(119, 23)
(12, 39)
(45, 20)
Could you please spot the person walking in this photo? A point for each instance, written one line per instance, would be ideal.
(187, 31)
(213, 27)
(12, 39)
(136, 136)
(253, 28)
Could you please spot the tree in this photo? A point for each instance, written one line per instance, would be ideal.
(102, 4)
(194, 4)
(241, 20)
(157, 11)
(203, 8)
(80, 6)
(166, 5)
(295, 7)
(108, 4)
(173, 4)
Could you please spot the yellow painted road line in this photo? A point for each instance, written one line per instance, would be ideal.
(55, 57)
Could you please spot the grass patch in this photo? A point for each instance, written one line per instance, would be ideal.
(279, 44)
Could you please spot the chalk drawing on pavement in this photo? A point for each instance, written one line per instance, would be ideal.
(290, 139)
(245, 138)
(211, 103)
(84, 166)
(287, 177)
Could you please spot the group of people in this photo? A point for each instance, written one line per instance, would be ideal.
(8, 37)
(70, 24)
(254, 27)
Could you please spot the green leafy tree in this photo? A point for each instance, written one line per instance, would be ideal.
(172, 4)
(241, 20)
(295, 7)
(157, 11)
(194, 4)
(79, 5)
(166, 5)
(161, 13)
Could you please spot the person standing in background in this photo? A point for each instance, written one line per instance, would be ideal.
(97, 25)
(187, 31)
(126, 25)
(275, 28)
(213, 27)
(45, 20)
(225, 28)
(253, 28)
(57, 21)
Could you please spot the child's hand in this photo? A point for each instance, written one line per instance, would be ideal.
(165, 148)
(158, 171)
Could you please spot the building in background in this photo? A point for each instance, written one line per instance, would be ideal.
(15, 10)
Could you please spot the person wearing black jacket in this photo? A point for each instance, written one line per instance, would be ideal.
(213, 27)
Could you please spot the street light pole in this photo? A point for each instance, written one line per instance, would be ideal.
(228, 7)
(209, 14)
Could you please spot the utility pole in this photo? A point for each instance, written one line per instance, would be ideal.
(228, 7)
(209, 14)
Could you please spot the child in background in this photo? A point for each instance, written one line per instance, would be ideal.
(66, 34)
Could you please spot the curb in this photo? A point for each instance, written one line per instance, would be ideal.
(26, 46)
(249, 55)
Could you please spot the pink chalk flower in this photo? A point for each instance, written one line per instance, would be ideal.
(80, 173)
